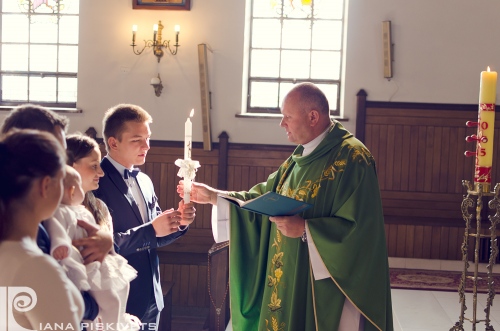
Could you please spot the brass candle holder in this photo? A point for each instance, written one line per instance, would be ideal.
(474, 200)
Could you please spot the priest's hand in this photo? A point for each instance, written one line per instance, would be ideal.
(167, 222)
(200, 193)
(188, 212)
(289, 226)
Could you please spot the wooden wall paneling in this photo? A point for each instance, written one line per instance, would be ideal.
(222, 161)
(393, 239)
(428, 166)
(168, 272)
(401, 240)
(382, 157)
(252, 177)
(261, 174)
(405, 157)
(452, 166)
(453, 244)
(413, 162)
(444, 238)
(193, 286)
(436, 158)
(435, 242)
(245, 173)
(176, 290)
(419, 242)
(368, 138)
(230, 178)
(202, 290)
(398, 157)
(172, 199)
(427, 242)
(184, 285)
(389, 156)
(237, 179)
(421, 160)
(444, 164)
(410, 241)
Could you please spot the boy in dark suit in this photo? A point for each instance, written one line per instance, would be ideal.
(139, 224)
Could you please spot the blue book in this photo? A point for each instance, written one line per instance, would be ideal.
(270, 204)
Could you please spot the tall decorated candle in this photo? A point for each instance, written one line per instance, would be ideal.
(486, 127)
(188, 136)
(188, 145)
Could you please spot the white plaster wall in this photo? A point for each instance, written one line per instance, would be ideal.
(440, 48)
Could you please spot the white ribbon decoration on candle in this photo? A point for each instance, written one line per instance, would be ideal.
(187, 170)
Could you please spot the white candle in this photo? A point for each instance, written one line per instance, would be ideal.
(187, 190)
(188, 136)
(134, 31)
(155, 30)
(177, 29)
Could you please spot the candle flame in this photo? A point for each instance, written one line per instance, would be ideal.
(488, 68)
(191, 113)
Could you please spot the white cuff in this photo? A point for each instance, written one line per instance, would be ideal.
(220, 220)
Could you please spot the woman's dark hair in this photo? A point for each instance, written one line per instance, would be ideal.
(25, 155)
(80, 146)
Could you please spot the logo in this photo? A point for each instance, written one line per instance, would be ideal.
(15, 298)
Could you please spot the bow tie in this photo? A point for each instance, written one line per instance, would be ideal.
(127, 173)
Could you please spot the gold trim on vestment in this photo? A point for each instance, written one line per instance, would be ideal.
(310, 240)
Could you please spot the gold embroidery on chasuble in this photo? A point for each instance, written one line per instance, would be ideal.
(306, 190)
(273, 281)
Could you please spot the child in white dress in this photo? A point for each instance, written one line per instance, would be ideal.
(108, 281)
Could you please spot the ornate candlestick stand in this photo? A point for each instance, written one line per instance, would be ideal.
(479, 191)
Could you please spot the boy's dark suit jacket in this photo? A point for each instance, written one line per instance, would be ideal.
(134, 239)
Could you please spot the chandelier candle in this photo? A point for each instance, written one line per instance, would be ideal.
(485, 127)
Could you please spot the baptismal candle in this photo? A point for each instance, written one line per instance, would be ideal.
(188, 136)
(486, 126)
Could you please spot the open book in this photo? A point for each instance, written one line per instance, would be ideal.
(270, 204)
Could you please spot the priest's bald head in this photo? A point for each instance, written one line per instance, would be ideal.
(306, 113)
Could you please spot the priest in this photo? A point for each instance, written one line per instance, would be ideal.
(325, 268)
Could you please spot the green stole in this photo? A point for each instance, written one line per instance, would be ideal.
(271, 280)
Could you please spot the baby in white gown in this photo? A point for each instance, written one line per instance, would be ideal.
(109, 281)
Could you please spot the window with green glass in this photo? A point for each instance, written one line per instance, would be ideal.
(294, 41)
(39, 52)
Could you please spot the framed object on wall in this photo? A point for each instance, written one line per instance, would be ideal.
(162, 4)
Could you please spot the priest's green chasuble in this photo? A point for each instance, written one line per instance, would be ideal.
(272, 284)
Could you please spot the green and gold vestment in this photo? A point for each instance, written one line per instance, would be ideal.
(272, 285)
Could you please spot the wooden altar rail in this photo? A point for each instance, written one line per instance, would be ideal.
(419, 150)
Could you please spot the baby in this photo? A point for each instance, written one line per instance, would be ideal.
(109, 281)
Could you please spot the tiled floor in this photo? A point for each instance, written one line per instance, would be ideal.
(438, 311)
(413, 310)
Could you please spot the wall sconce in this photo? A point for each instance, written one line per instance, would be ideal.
(157, 44)
(157, 85)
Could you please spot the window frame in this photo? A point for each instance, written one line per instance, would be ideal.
(260, 111)
(62, 106)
